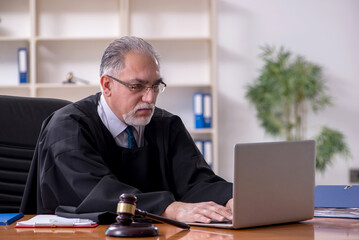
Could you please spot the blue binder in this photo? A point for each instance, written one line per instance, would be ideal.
(208, 152)
(199, 144)
(22, 64)
(336, 196)
(207, 110)
(198, 110)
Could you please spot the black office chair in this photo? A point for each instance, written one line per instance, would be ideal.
(20, 123)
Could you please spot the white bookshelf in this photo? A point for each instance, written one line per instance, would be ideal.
(65, 36)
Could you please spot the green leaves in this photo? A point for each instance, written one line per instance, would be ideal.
(330, 143)
(282, 94)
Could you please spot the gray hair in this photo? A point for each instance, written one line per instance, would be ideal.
(113, 58)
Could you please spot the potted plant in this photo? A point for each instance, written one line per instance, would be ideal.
(287, 88)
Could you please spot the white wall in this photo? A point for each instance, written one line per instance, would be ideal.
(324, 32)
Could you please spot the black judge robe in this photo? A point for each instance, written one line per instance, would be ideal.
(79, 171)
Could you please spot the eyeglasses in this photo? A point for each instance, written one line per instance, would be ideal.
(137, 88)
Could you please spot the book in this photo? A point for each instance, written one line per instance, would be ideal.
(199, 144)
(206, 149)
(198, 110)
(8, 218)
(207, 110)
(207, 152)
(22, 61)
(55, 221)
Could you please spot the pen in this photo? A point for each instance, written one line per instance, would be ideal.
(59, 224)
(74, 221)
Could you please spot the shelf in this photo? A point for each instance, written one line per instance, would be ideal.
(65, 36)
(15, 19)
(179, 100)
(202, 131)
(110, 38)
(13, 39)
(17, 86)
(17, 90)
(66, 85)
(184, 62)
(68, 18)
(199, 86)
(69, 39)
(9, 74)
(71, 92)
(182, 39)
(163, 18)
(55, 59)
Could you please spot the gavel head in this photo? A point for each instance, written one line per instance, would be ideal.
(126, 208)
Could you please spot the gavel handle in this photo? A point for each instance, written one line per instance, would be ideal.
(161, 219)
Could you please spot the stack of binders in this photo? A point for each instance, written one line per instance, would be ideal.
(205, 147)
(202, 109)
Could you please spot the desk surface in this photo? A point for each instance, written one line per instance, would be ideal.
(317, 228)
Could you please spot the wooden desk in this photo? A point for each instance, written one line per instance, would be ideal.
(318, 228)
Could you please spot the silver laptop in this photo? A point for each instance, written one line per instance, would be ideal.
(273, 184)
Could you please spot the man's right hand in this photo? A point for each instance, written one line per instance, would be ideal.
(197, 212)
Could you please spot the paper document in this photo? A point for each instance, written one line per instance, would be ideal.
(337, 212)
(56, 221)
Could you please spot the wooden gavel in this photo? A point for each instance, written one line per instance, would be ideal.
(126, 210)
(126, 227)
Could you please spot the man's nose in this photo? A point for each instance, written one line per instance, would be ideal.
(149, 96)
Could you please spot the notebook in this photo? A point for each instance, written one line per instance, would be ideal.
(273, 184)
(50, 220)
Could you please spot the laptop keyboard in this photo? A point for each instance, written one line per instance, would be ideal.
(224, 221)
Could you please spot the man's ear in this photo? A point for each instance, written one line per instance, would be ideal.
(106, 85)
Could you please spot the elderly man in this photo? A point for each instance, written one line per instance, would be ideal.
(117, 141)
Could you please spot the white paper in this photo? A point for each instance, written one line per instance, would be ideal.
(53, 220)
(337, 212)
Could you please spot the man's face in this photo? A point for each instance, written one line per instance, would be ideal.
(133, 107)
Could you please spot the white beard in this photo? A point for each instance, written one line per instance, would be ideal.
(132, 120)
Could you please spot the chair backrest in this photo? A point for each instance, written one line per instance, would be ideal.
(20, 123)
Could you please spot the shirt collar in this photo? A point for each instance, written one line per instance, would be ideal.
(113, 124)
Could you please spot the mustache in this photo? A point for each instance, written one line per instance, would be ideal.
(144, 105)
